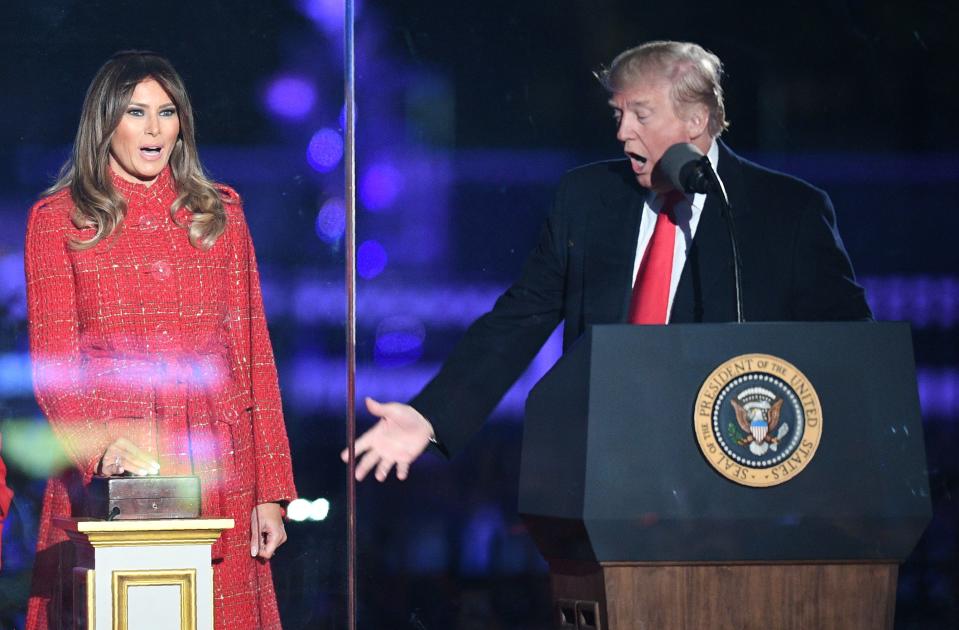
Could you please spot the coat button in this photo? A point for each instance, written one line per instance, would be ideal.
(148, 223)
(162, 269)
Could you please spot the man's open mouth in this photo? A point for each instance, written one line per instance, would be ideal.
(636, 156)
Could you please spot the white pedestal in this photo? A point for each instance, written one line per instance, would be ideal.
(143, 575)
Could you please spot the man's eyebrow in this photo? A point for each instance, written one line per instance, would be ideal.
(630, 104)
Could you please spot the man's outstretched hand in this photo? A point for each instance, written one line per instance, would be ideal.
(399, 437)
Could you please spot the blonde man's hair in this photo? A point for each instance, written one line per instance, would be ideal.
(694, 74)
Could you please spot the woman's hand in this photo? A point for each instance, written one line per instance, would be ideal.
(124, 456)
(266, 530)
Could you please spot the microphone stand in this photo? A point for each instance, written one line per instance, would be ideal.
(688, 170)
(715, 185)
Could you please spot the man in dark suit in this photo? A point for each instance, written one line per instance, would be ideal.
(622, 246)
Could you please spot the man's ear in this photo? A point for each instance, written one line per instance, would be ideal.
(697, 120)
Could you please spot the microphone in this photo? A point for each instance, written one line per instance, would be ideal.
(689, 171)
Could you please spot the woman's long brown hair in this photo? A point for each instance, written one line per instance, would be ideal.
(97, 204)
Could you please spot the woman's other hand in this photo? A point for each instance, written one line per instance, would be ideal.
(266, 530)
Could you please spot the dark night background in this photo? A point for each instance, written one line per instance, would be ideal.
(468, 115)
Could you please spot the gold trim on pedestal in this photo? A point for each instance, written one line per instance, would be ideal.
(154, 532)
(91, 600)
(184, 578)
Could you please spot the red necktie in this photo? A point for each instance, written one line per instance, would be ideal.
(651, 291)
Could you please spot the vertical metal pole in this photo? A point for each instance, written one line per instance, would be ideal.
(349, 163)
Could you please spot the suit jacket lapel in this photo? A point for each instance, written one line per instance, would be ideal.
(611, 251)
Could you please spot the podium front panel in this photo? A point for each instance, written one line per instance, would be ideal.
(649, 494)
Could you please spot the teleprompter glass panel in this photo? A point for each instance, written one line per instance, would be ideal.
(266, 85)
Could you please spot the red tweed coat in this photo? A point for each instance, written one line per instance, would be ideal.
(146, 337)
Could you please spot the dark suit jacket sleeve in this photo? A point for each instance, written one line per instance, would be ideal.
(824, 284)
(498, 347)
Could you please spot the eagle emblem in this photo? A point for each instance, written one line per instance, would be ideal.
(758, 412)
(774, 433)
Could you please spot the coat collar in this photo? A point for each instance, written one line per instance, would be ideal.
(731, 173)
(164, 183)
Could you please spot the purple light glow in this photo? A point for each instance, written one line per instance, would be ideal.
(325, 150)
(399, 341)
(483, 531)
(370, 259)
(275, 302)
(15, 374)
(312, 301)
(938, 392)
(380, 185)
(427, 552)
(926, 301)
(331, 220)
(327, 14)
(12, 287)
(460, 304)
(321, 301)
(290, 97)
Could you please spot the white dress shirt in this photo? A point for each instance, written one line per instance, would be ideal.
(686, 212)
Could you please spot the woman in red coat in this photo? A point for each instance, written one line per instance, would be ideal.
(149, 343)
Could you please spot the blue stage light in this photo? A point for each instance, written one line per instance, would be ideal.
(399, 341)
(291, 97)
(380, 186)
(370, 259)
(331, 220)
(325, 150)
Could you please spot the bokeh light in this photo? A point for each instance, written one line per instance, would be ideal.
(370, 259)
(328, 14)
(305, 510)
(319, 510)
(290, 96)
(30, 447)
(380, 185)
(325, 150)
(298, 510)
(399, 341)
(331, 220)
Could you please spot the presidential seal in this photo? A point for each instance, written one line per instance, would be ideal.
(758, 420)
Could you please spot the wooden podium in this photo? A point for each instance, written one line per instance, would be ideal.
(143, 575)
(646, 523)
